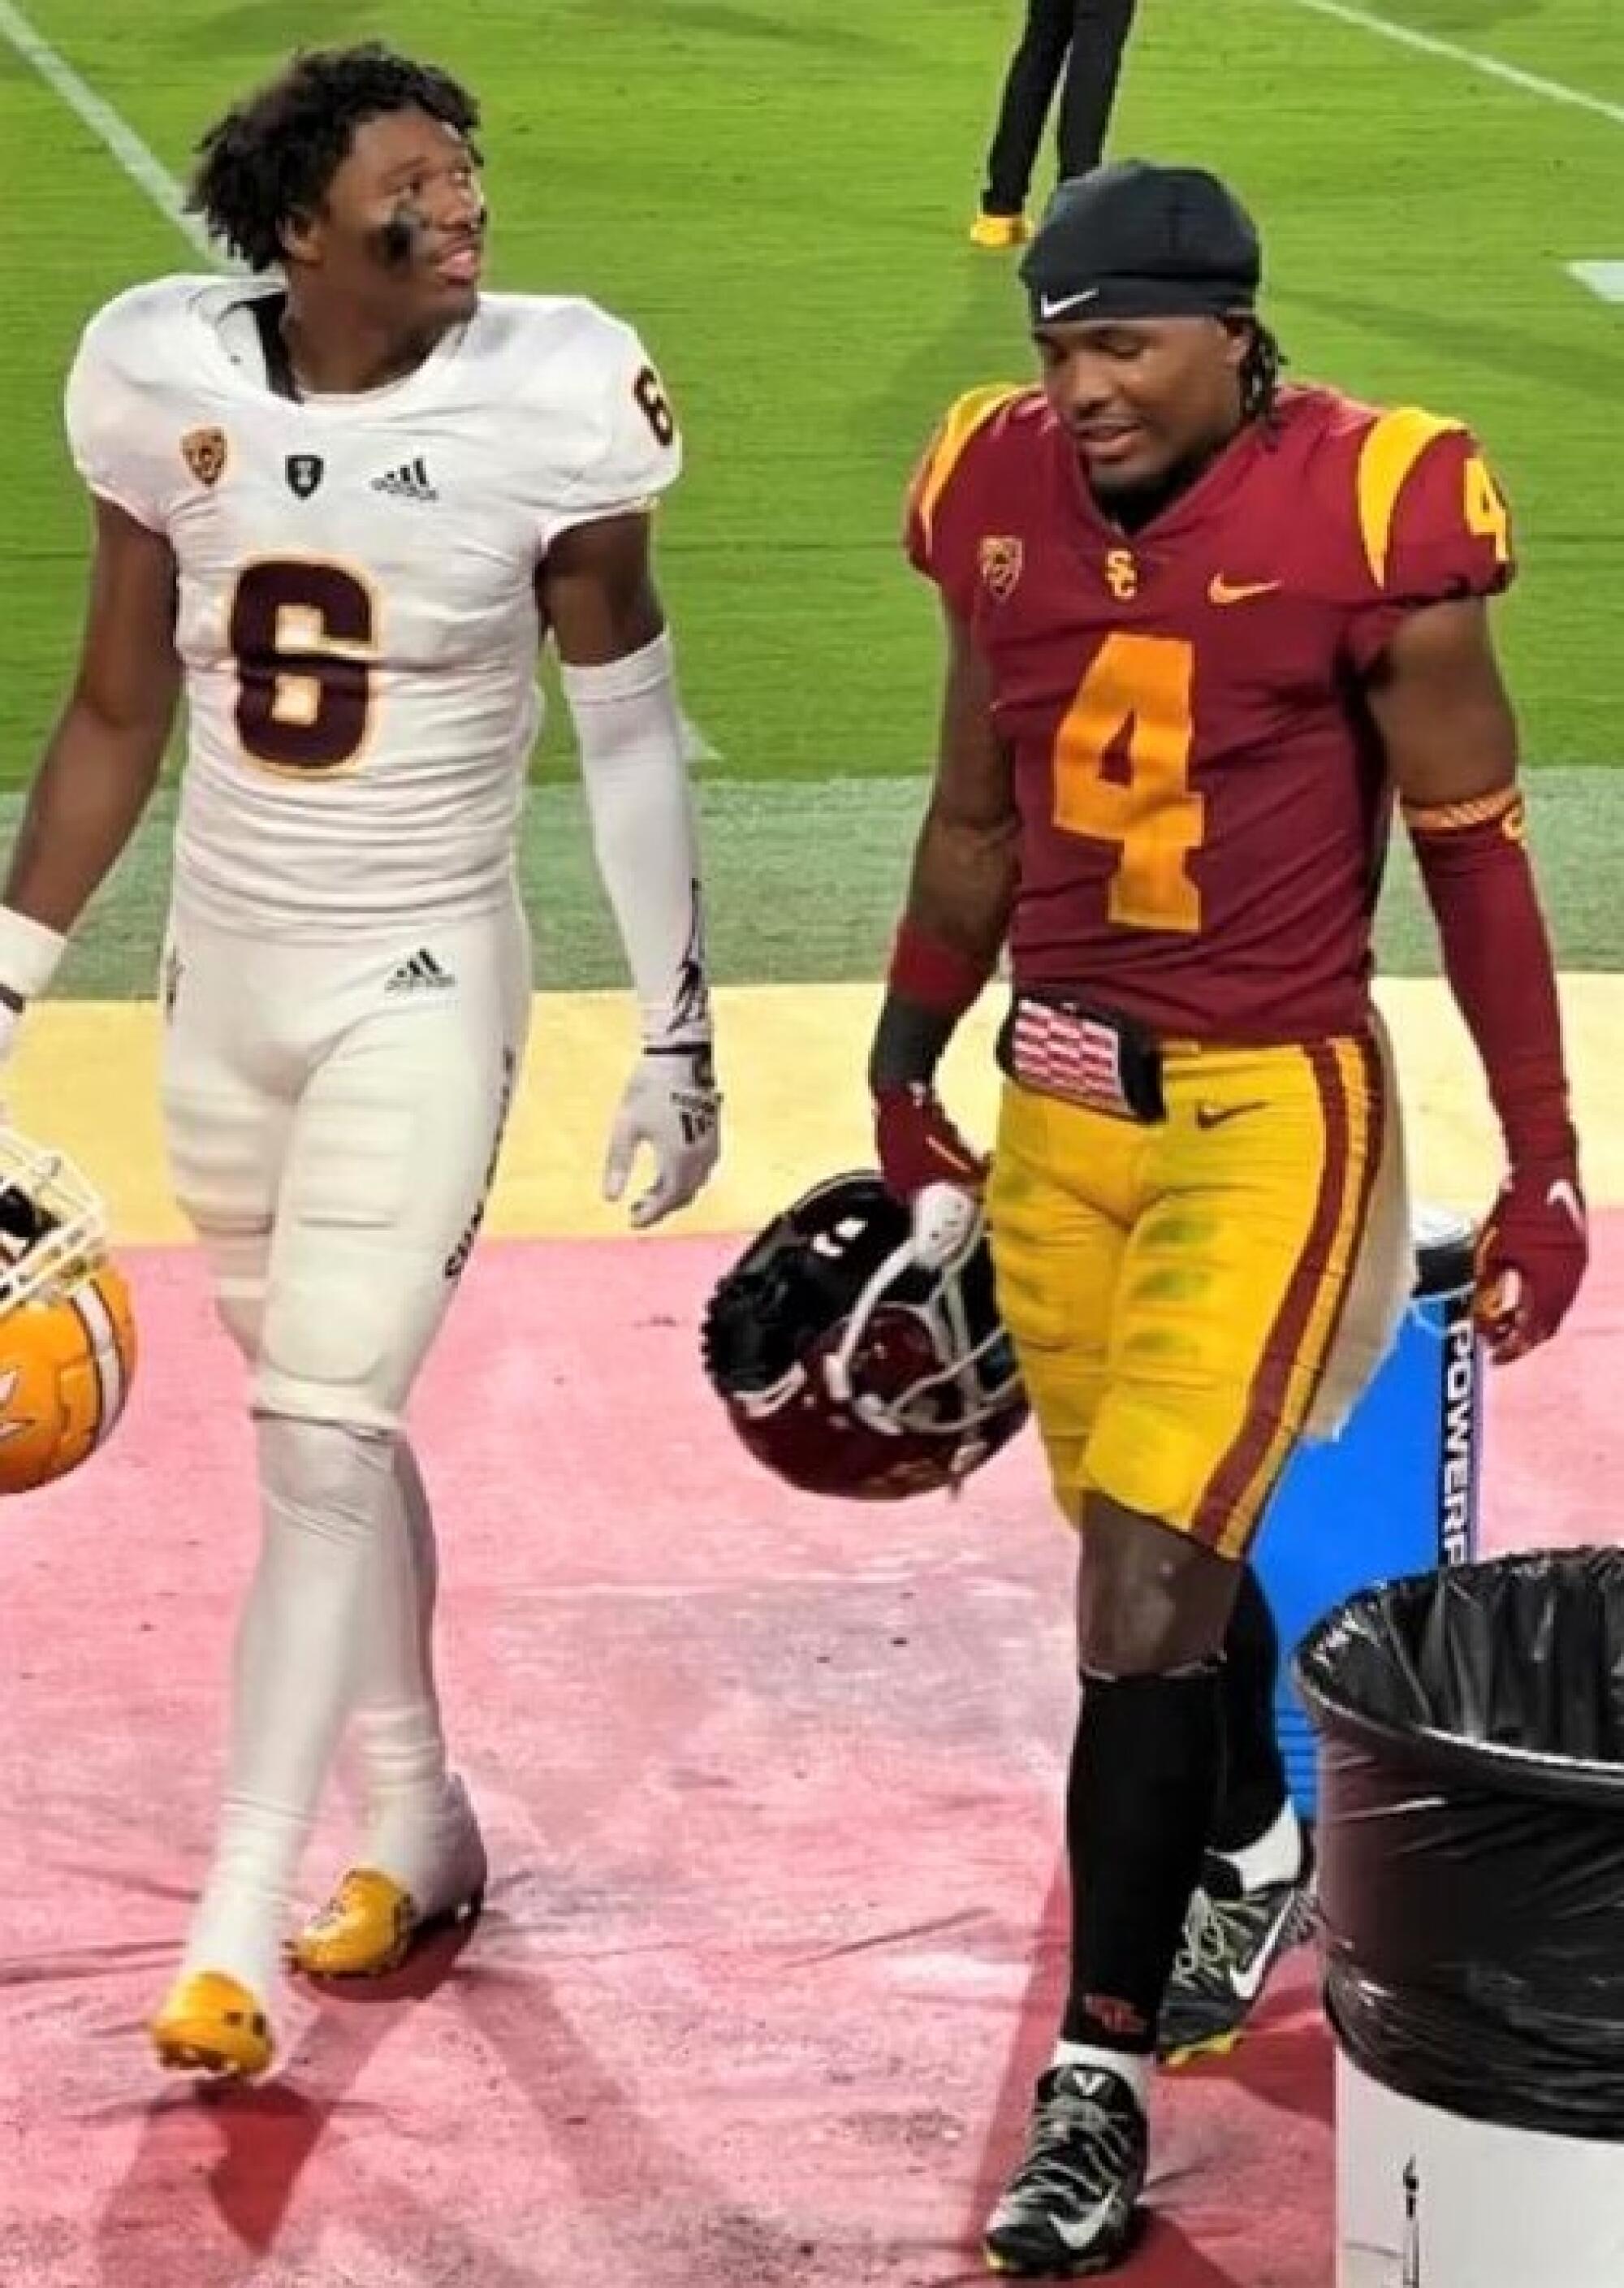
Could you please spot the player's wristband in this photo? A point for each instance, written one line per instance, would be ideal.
(930, 987)
(937, 976)
(29, 956)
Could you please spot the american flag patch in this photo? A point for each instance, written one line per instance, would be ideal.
(1061, 1052)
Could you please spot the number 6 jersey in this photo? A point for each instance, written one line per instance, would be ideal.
(357, 620)
(1203, 801)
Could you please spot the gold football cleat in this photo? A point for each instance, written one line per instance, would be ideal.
(211, 2023)
(369, 1925)
(1000, 232)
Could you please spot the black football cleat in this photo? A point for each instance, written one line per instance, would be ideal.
(1071, 2209)
(1232, 1943)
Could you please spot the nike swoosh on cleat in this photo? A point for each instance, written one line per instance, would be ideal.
(1220, 590)
(1082, 2235)
(1247, 1984)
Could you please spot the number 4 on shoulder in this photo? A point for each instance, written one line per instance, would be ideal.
(1486, 514)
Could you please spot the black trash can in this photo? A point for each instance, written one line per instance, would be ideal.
(1471, 1899)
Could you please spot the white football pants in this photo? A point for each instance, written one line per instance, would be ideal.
(333, 1116)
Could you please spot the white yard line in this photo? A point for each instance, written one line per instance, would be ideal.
(1603, 278)
(145, 171)
(1549, 90)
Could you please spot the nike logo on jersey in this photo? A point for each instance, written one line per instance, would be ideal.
(1055, 305)
(410, 481)
(1247, 1982)
(1220, 590)
(1214, 1115)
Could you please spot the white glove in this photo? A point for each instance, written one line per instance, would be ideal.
(672, 1105)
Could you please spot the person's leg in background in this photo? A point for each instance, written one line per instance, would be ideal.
(1099, 34)
(1028, 90)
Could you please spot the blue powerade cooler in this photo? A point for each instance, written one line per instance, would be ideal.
(1397, 1492)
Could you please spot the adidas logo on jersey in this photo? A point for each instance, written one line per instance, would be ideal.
(421, 974)
(410, 481)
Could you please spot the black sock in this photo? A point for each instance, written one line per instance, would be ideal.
(1253, 1787)
(1144, 1773)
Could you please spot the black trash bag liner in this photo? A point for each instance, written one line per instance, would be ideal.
(1471, 1835)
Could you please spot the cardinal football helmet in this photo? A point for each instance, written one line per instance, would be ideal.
(847, 1365)
(66, 1330)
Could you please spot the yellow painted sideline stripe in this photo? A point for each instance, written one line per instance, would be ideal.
(791, 1060)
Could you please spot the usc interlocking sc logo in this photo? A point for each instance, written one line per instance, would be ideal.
(1122, 574)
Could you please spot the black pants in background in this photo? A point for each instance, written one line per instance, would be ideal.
(1085, 40)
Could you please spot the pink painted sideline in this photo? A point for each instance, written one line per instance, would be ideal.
(770, 1785)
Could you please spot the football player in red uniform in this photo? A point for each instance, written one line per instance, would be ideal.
(1202, 631)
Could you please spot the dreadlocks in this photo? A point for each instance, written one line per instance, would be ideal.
(1260, 376)
(273, 156)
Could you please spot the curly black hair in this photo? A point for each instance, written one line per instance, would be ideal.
(272, 157)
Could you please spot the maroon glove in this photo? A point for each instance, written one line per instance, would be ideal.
(918, 1145)
(1532, 1253)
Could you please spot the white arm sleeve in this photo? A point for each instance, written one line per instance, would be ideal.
(634, 769)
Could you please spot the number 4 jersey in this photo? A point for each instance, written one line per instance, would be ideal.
(357, 618)
(1204, 804)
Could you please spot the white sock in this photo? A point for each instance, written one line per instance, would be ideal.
(326, 1492)
(416, 1813)
(1276, 1856)
(1127, 2065)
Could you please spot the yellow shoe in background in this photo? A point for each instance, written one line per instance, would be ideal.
(1000, 232)
(211, 2023)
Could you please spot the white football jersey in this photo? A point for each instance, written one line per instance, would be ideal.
(357, 618)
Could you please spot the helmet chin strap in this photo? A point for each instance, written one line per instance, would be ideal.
(947, 1225)
(837, 1366)
(955, 1216)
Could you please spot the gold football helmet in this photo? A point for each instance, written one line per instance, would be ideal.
(66, 1330)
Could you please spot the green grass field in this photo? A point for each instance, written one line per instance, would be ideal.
(776, 191)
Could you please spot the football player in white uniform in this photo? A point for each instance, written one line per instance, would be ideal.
(341, 502)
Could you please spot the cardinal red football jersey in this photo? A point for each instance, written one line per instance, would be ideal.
(1204, 804)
